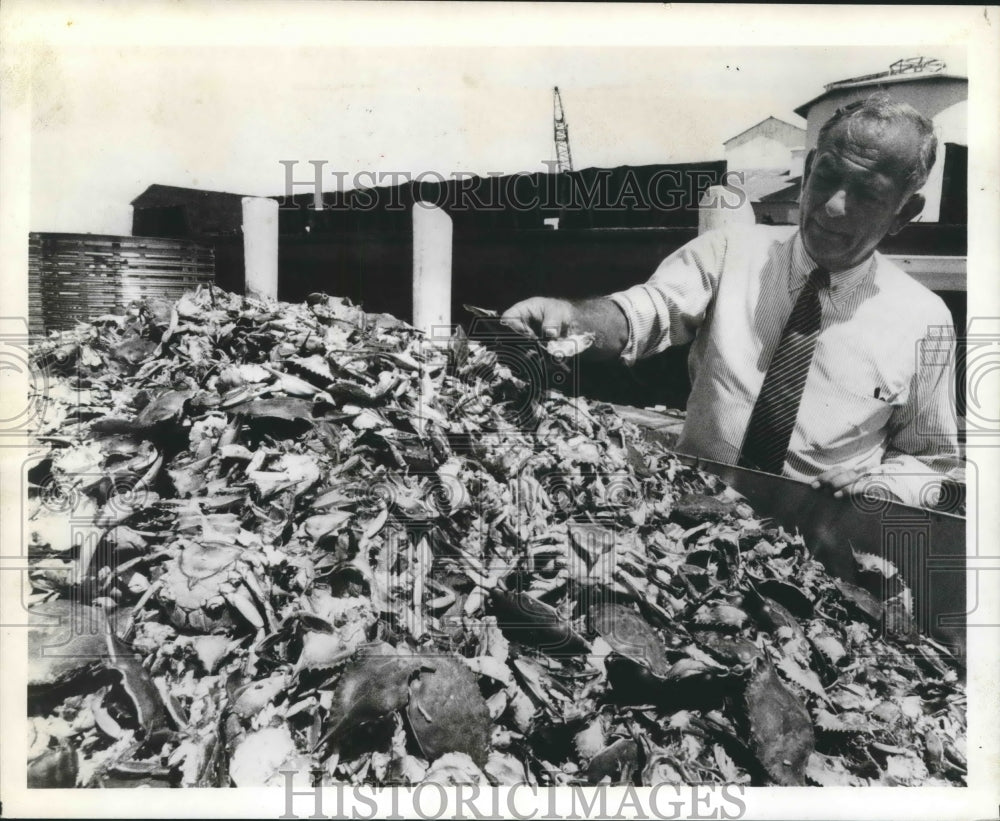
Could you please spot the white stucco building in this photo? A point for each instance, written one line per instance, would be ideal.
(770, 144)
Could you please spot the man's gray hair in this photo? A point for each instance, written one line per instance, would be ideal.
(882, 109)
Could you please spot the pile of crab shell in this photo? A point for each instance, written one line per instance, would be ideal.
(268, 537)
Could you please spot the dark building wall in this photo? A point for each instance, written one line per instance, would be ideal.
(776, 213)
(229, 263)
(954, 199)
(161, 221)
(489, 269)
(933, 238)
(188, 213)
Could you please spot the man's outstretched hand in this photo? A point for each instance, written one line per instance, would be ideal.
(840, 481)
(542, 317)
(548, 318)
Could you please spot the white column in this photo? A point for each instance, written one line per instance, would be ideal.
(432, 232)
(722, 205)
(260, 247)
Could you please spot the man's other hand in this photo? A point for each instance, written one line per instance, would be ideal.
(841, 481)
(542, 317)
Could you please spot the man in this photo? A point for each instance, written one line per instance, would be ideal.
(808, 358)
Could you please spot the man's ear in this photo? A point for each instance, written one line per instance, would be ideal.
(914, 205)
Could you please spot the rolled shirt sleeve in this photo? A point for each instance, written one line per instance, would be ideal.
(669, 308)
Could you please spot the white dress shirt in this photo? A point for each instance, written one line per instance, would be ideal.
(879, 394)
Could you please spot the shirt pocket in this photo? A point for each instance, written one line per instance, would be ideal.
(848, 418)
(866, 412)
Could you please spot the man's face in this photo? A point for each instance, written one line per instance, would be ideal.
(854, 192)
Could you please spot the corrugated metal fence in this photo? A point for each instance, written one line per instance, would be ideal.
(74, 277)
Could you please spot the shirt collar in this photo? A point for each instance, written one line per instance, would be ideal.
(842, 283)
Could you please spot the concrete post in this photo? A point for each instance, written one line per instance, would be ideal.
(260, 247)
(722, 205)
(432, 234)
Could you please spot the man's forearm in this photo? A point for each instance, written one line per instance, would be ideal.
(606, 321)
(917, 480)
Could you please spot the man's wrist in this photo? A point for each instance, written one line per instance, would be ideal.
(609, 323)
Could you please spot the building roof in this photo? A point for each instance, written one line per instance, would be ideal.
(876, 81)
(157, 195)
(761, 184)
(757, 125)
(790, 192)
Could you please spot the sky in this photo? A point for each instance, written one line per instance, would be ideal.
(109, 119)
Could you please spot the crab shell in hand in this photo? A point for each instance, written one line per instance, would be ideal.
(204, 583)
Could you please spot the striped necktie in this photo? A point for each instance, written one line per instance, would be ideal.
(773, 418)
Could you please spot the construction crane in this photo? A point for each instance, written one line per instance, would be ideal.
(564, 159)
